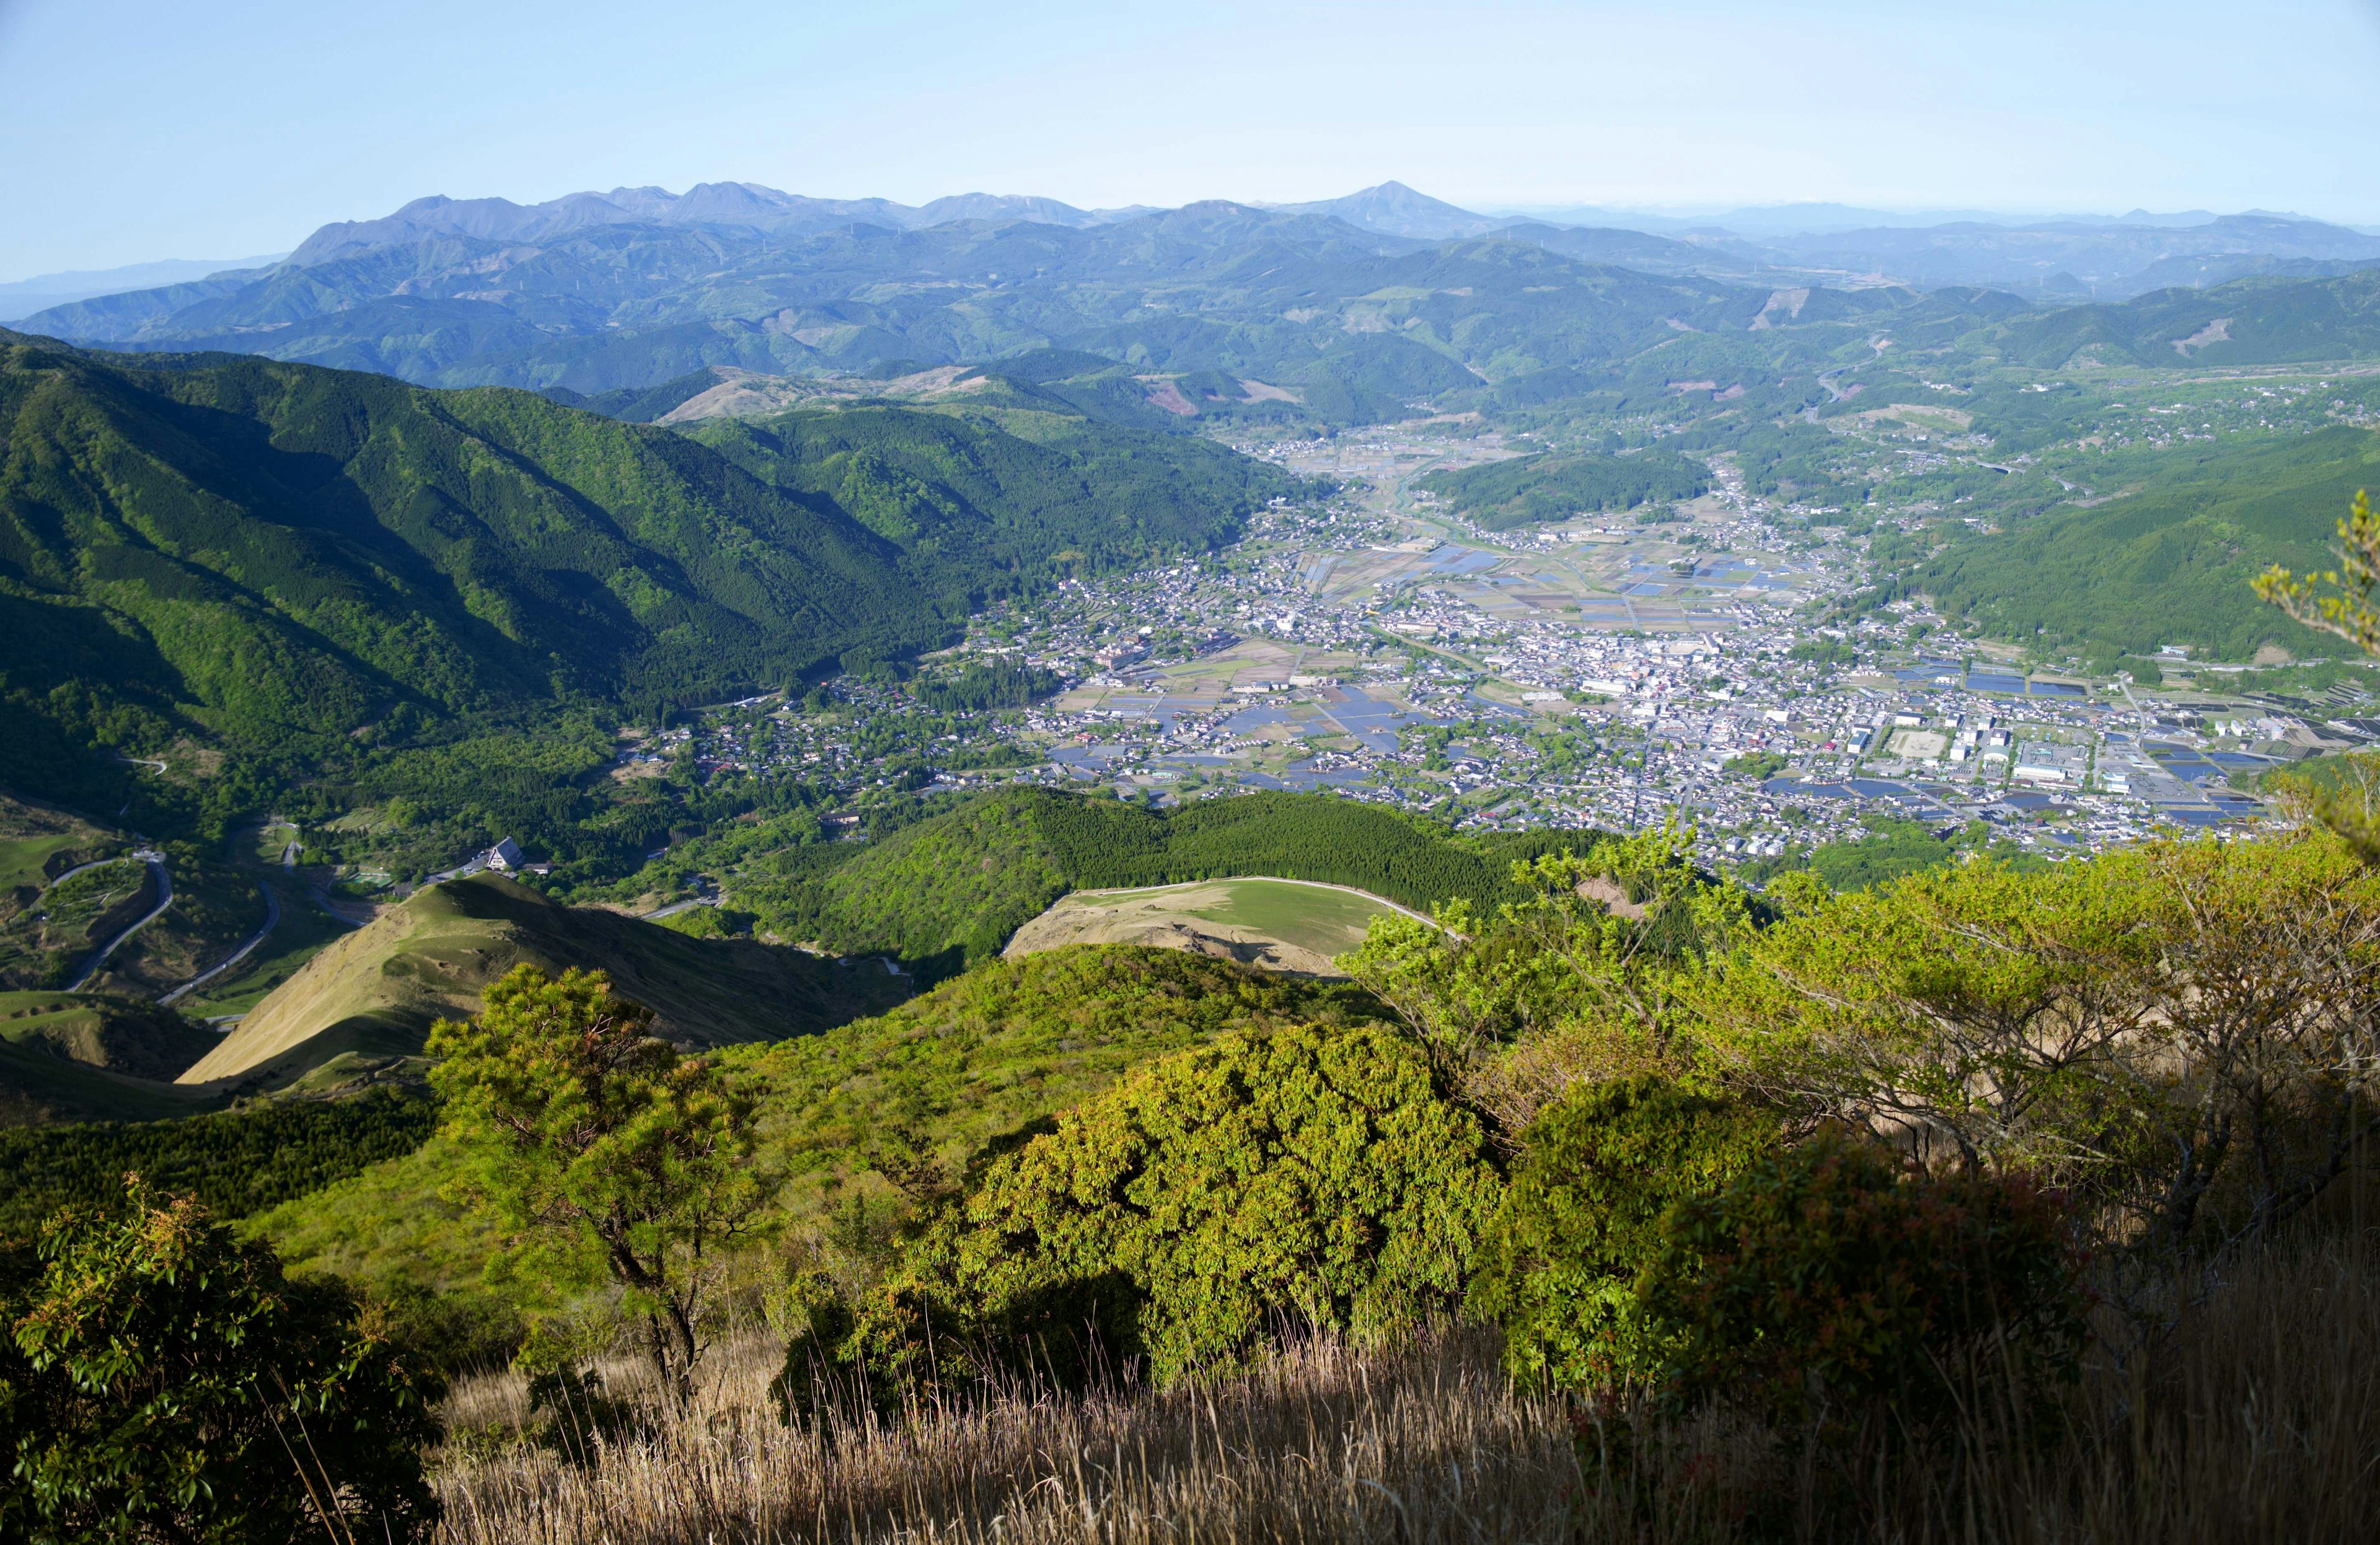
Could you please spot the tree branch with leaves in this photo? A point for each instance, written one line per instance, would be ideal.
(602, 1151)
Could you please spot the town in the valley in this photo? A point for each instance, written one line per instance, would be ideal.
(1706, 663)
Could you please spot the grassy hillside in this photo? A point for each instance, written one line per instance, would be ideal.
(374, 994)
(2169, 564)
(1503, 494)
(1282, 925)
(950, 891)
(82, 1057)
(932, 1082)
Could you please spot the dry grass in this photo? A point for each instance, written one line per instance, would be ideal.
(1423, 1441)
(2257, 1419)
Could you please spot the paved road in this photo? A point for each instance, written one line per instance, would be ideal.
(156, 862)
(246, 948)
(674, 909)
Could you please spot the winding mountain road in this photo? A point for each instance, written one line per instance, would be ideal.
(247, 947)
(156, 862)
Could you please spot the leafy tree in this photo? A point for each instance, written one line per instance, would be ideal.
(2347, 803)
(601, 1149)
(1307, 1171)
(1823, 1283)
(1582, 1219)
(1596, 953)
(162, 1381)
(2182, 1033)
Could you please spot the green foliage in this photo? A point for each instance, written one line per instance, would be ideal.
(950, 891)
(1501, 496)
(974, 511)
(1301, 1172)
(1824, 652)
(929, 1085)
(937, 896)
(1606, 938)
(163, 1382)
(1757, 766)
(603, 1149)
(1891, 849)
(981, 686)
(233, 1164)
(2171, 563)
(1582, 1219)
(1825, 1284)
(2161, 1030)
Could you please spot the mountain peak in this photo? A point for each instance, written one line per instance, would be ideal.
(1392, 209)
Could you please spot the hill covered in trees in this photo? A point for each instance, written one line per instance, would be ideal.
(294, 564)
(2168, 563)
(947, 892)
(1501, 496)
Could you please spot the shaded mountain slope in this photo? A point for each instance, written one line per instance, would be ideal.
(375, 993)
(277, 557)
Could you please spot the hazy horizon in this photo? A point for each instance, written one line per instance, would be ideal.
(241, 128)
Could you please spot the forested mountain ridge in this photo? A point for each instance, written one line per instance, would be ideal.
(1358, 322)
(2168, 562)
(284, 557)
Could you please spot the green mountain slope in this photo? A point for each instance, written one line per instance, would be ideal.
(975, 510)
(2169, 564)
(950, 891)
(2249, 322)
(284, 561)
(936, 1080)
(284, 555)
(374, 994)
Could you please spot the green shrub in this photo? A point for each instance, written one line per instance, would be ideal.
(163, 1382)
(1304, 1173)
(1824, 1279)
(1581, 1220)
(449, 1334)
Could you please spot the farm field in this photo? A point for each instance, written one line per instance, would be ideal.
(1287, 925)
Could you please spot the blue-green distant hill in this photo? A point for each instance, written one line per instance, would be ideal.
(2263, 320)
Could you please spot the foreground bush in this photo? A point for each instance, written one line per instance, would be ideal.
(2255, 1420)
(163, 1382)
(1583, 1219)
(1824, 1284)
(1310, 1173)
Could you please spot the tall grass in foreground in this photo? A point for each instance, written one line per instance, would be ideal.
(1424, 1441)
(2257, 1419)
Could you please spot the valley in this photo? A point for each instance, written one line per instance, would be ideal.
(663, 831)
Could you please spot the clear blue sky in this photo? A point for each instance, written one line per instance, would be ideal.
(139, 129)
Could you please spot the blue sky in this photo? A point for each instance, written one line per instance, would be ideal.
(133, 129)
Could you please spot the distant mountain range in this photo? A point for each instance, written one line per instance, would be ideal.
(25, 297)
(1354, 307)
